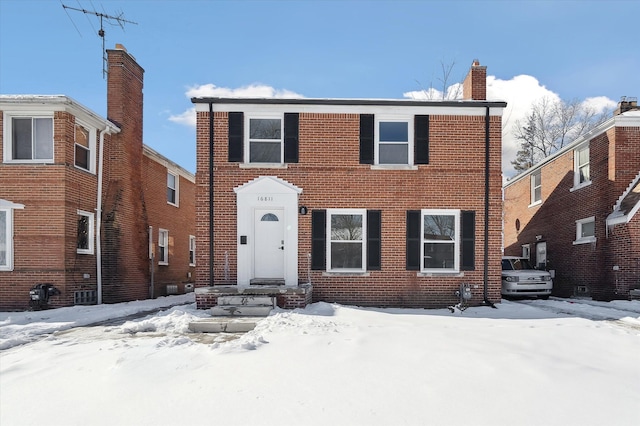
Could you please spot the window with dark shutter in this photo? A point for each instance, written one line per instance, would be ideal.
(421, 140)
(290, 137)
(366, 138)
(318, 239)
(374, 233)
(236, 137)
(413, 240)
(467, 261)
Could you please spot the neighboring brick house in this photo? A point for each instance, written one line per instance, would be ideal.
(574, 212)
(365, 202)
(78, 194)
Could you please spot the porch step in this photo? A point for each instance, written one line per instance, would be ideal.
(241, 310)
(213, 325)
(246, 300)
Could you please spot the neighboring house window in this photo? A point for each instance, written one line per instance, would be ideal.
(582, 173)
(265, 140)
(536, 188)
(29, 139)
(172, 188)
(163, 247)
(393, 142)
(85, 145)
(192, 250)
(85, 232)
(585, 230)
(6, 234)
(440, 241)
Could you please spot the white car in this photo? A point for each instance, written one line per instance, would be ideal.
(519, 278)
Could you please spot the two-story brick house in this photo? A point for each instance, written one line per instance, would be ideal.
(575, 212)
(79, 194)
(355, 201)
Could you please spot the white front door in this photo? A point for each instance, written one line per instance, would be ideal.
(269, 244)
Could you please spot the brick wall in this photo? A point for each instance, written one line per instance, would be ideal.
(331, 177)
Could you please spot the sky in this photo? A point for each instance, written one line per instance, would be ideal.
(569, 362)
(571, 50)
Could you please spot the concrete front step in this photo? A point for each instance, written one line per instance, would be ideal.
(246, 300)
(213, 325)
(241, 310)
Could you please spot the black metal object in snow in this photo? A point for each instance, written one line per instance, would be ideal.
(39, 296)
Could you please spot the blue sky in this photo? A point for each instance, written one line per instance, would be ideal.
(320, 49)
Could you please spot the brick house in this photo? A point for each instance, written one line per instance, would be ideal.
(79, 194)
(365, 202)
(575, 212)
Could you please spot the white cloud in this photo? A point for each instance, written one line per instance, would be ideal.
(187, 118)
(600, 104)
(453, 92)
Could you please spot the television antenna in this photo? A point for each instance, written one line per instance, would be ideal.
(119, 19)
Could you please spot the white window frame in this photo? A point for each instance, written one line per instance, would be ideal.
(579, 225)
(91, 217)
(247, 131)
(577, 166)
(8, 138)
(176, 190)
(192, 250)
(410, 136)
(163, 242)
(8, 207)
(456, 242)
(363, 241)
(526, 251)
(534, 201)
(91, 148)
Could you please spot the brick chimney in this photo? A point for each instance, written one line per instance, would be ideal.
(474, 86)
(124, 219)
(626, 103)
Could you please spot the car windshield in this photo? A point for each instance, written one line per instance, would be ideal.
(515, 264)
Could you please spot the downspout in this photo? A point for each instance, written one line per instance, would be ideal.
(99, 218)
(486, 300)
(210, 194)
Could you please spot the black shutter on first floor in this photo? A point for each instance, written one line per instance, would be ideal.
(374, 234)
(291, 137)
(413, 240)
(236, 137)
(318, 239)
(467, 252)
(421, 140)
(366, 138)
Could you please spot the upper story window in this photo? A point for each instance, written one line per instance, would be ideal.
(265, 140)
(85, 232)
(585, 230)
(393, 142)
(536, 188)
(28, 139)
(440, 241)
(582, 172)
(85, 146)
(172, 188)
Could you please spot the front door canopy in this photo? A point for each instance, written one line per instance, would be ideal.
(267, 185)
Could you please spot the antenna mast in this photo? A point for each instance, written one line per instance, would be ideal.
(118, 19)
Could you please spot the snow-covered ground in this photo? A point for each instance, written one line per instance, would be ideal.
(555, 362)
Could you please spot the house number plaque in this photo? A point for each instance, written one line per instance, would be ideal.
(264, 198)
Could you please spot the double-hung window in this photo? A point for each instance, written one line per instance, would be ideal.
(393, 142)
(582, 173)
(85, 145)
(6, 234)
(265, 140)
(30, 139)
(440, 235)
(172, 188)
(536, 188)
(585, 230)
(192, 250)
(85, 232)
(163, 247)
(346, 230)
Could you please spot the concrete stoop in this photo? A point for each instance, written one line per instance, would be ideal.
(231, 312)
(222, 325)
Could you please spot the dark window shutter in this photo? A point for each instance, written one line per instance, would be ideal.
(318, 239)
(291, 137)
(468, 261)
(413, 240)
(421, 139)
(374, 231)
(366, 138)
(236, 137)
